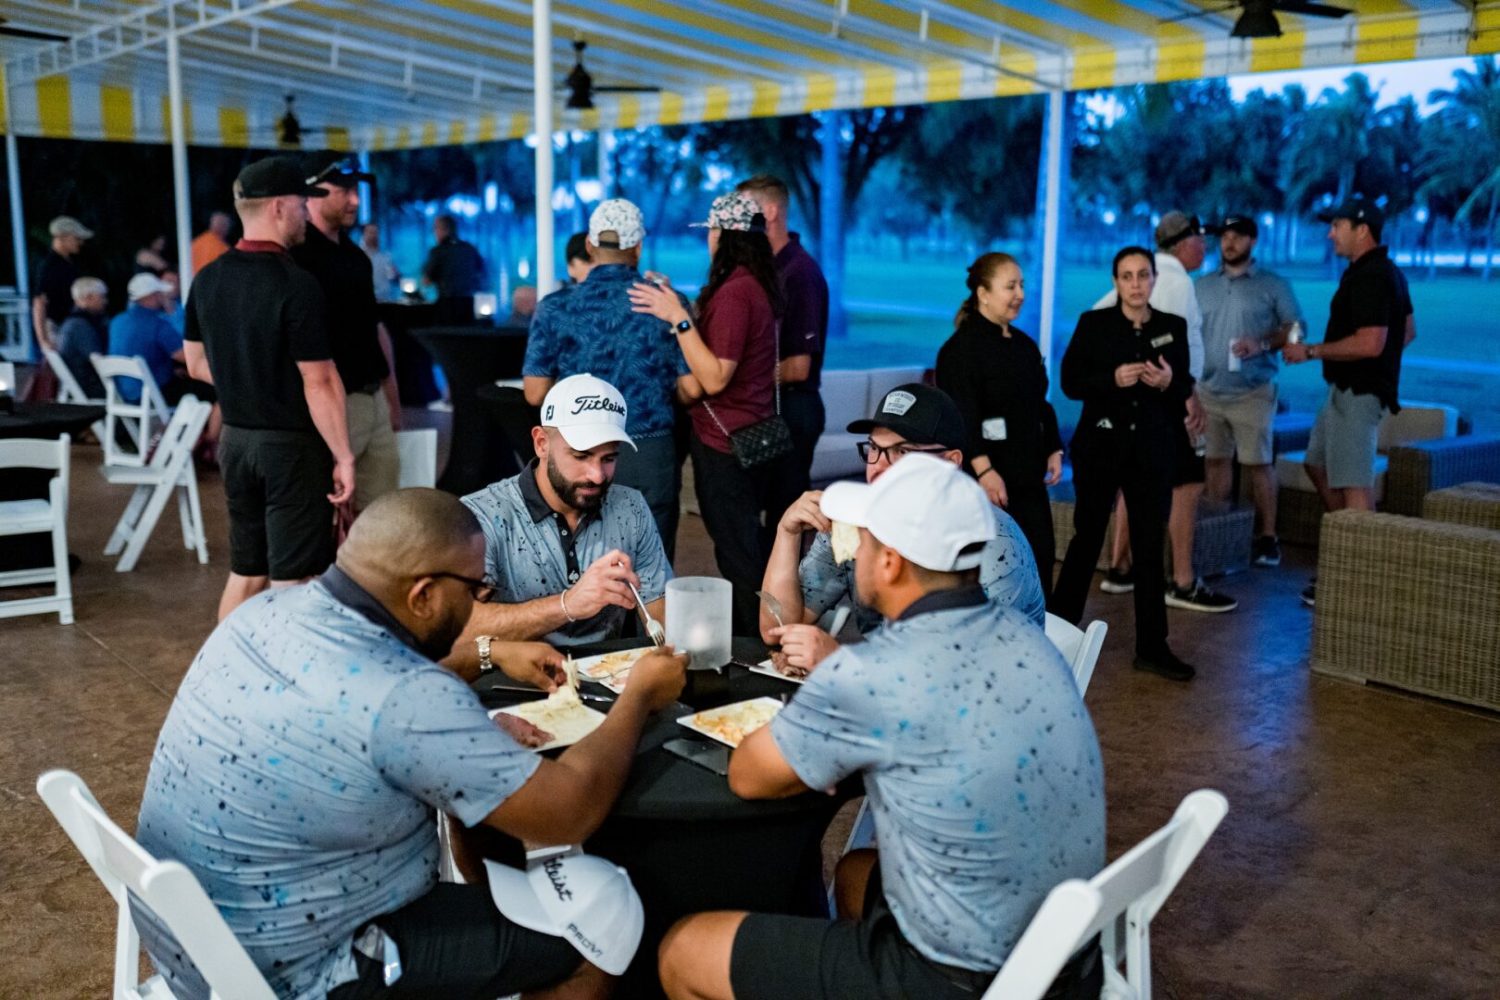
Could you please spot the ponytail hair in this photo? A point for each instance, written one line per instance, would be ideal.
(979, 274)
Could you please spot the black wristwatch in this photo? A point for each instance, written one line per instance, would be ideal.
(683, 327)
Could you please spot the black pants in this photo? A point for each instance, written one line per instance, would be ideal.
(802, 406)
(1146, 482)
(734, 503)
(1032, 510)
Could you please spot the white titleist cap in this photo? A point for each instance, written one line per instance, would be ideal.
(925, 508)
(583, 899)
(587, 411)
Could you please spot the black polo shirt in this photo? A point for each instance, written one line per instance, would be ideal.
(1372, 292)
(257, 314)
(455, 267)
(344, 273)
(54, 278)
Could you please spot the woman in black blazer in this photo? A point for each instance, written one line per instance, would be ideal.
(1128, 364)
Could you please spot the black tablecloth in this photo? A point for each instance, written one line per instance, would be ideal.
(413, 363)
(689, 843)
(475, 356)
(36, 420)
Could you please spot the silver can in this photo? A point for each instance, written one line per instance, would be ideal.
(1296, 334)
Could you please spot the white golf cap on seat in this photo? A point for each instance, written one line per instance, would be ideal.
(587, 412)
(586, 900)
(925, 508)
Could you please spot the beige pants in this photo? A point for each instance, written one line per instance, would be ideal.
(377, 467)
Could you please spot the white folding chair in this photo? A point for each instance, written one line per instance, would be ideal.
(1131, 892)
(417, 450)
(1080, 648)
(8, 378)
(167, 888)
(30, 517)
(170, 470)
(137, 418)
(68, 389)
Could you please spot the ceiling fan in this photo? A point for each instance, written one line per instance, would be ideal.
(1259, 17)
(289, 128)
(40, 36)
(580, 85)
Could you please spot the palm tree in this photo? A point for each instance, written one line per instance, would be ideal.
(1468, 158)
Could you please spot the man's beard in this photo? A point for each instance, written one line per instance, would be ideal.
(440, 643)
(569, 491)
(1229, 261)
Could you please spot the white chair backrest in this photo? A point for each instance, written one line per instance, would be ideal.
(68, 389)
(1080, 648)
(136, 416)
(35, 453)
(8, 378)
(167, 888)
(1047, 943)
(417, 451)
(182, 432)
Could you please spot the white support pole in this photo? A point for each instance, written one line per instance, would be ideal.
(366, 203)
(1057, 104)
(179, 169)
(17, 219)
(541, 54)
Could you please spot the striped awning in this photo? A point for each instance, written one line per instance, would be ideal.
(404, 73)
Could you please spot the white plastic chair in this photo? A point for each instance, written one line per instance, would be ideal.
(8, 378)
(1131, 892)
(135, 417)
(68, 389)
(170, 469)
(28, 517)
(1080, 648)
(167, 888)
(417, 451)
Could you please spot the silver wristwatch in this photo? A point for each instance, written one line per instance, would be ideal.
(482, 643)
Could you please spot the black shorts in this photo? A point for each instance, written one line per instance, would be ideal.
(276, 484)
(1187, 464)
(453, 942)
(809, 958)
(180, 385)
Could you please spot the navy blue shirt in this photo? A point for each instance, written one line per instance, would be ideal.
(590, 328)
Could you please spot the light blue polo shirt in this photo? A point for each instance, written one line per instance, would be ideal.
(297, 776)
(1007, 573)
(526, 552)
(980, 766)
(1254, 304)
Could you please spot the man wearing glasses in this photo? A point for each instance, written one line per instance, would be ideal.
(910, 418)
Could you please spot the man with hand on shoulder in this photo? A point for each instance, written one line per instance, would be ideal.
(978, 757)
(564, 547)
(910, 419)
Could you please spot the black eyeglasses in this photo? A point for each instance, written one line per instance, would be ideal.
(480, 590)
(870, 452)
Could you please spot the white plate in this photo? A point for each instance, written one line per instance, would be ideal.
(617, 663)
(753, 714)
(580, 721)
(764, 667)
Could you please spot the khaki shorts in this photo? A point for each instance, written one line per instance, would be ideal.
(1240, 425)
(1344, 437)
(377, 465)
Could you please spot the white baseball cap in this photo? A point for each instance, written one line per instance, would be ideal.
(618, 216)
(925, 508)
(586, 411)
(145, 284)
(583, 899)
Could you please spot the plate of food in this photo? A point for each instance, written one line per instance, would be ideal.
(776, 666)
(611, 669)
(730, 724)
(558, 720)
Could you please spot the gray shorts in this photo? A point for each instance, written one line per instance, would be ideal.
(1240, 425)
(1343, 439)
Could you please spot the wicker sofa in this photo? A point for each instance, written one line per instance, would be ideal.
(1418, 468)
(1410, 602)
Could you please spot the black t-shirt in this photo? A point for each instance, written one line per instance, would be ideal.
(1372, 292)
(54, 278)
(343, 271)
(455, 267)
(257, 314)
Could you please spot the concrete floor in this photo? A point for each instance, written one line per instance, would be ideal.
(1358, 858)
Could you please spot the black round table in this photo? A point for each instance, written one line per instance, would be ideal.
(36, 420)
(689, 843)
(475, 356)
(413, 364)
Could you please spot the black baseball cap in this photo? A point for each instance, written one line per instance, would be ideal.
(920, 414)
(1243, 224)
(273, 177)
(1358, 211)
(338, 169)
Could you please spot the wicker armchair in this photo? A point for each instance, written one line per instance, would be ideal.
(1420, 467)
(1474, 504)
(1411, 603)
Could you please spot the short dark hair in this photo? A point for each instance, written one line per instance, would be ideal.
(768, 184)
(447, 223)
(578, 248)
(1132, 251)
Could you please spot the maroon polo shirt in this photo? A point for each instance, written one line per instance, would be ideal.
(804, 326)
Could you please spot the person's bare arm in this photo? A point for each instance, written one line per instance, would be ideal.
(783, 578)
(1367, 342)
(689, 391)
(39, 321)
(712, 372)
(388, 384)
(565, 800)
(757, 770)
(196, 360)
(536, 388)
(1411, 329)
(325, 401)
(797, 368)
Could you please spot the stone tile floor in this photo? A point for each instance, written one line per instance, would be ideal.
(1358, 858)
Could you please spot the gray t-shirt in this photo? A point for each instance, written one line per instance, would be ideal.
(1252, 305)
(297, 776)
(527, 556)
(980, 765)
(1008, 575)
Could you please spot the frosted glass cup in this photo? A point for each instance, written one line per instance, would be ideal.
(698, 620)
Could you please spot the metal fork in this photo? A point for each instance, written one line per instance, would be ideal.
(772, 605)
(653, 627)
